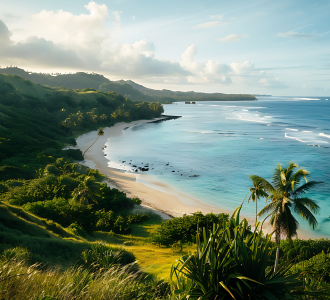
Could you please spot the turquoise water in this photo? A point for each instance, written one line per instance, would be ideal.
(225, 142)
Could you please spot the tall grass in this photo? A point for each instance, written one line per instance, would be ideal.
(19, 281)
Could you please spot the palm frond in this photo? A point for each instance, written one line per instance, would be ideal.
(289, 223)
(301, 207)
(302, 173)
(305, 187)
(268, 209)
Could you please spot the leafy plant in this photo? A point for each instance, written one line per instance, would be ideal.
(231, 263)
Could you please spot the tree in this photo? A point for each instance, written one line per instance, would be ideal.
(99, 133)
(286, 194)
(257, 191)
(86, 191)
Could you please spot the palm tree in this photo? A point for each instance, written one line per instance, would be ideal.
(99, 133)
(86, 190)
(286, 194)
(257, 191)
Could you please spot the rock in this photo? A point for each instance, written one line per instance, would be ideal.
(194, 176)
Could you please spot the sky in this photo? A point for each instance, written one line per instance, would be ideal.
(254, 47)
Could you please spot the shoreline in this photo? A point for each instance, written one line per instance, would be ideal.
(155, 196)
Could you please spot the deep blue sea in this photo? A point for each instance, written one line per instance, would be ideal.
(225, 142)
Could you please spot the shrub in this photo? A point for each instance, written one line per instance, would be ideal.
(185, 228)
(101, 255)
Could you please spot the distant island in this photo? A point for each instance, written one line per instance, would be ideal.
(128, 88)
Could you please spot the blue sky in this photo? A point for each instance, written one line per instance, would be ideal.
(259, 47)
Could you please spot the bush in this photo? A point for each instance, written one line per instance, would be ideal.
(101, 255)
(185, 228)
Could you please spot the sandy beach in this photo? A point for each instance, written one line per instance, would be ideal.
(155, 196)
(161, 198)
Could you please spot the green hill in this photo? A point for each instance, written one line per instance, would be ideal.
(35, 118)
(129, 89)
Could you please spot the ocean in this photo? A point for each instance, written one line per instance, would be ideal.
(211, 150)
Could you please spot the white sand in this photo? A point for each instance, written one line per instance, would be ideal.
(157, 196)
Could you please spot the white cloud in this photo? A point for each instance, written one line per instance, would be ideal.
(241, 68)
(84, 31)
(188, 62)
(213, 67)
(206, 73)
(233, 38)
(144, 46)
(304, 86)
(133, 18)
(210, 25)
(116, 19)
(291, 34)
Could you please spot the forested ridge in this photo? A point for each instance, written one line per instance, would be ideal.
(129, 89)
(64, 234)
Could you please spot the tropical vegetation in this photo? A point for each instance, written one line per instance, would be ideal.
(65, 234)
(286, 192)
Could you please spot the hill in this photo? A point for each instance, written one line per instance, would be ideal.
(35, 118)
(129, 89)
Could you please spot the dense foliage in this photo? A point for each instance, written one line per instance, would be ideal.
(184, 229)
(52, 196)
(231, 263)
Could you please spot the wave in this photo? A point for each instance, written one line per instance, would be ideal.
(295, 138)
(304, 99)
(211, 132)
(325, 135)
(292, 129)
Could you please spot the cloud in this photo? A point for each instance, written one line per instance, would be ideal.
(233, 38)
(144, 46)
(241, 68)
(116, 19)
(40, 52)
(84, 31)
(204, 73)
(292, 34)
(210, 24)
(61, 40)
(4, 35)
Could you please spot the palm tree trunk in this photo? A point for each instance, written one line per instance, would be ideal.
(91, 145)
(278, 242)
(277, 258)
(256, 209)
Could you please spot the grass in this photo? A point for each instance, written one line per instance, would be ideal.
(51, 243)
(18, 281)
